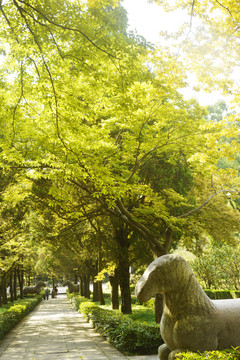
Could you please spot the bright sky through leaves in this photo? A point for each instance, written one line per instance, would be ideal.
(148, 20)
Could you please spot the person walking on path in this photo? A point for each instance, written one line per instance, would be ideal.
(47, 292)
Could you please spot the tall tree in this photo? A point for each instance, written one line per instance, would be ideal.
(90, 106)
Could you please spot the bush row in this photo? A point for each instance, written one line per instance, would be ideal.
(231, 354)
(211, 293)
(15, 313)
(222, 294)
(76, 300)
(127, 335)
(134, 337)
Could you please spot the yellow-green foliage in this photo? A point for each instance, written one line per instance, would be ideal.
(16, 312)
(229, 354)
(127, 335)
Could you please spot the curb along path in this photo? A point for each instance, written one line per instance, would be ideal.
(54, 331)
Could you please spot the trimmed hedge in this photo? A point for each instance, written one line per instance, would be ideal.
(222, 294)
(76, 300)
(127, 335)
(140, 338)
(230, 354)
(218, 294)
(16, 313)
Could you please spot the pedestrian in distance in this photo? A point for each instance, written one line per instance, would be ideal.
(47, 292)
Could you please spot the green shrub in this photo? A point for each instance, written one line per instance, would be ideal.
(85, 309)
(16, 313)
(150, 304)
(236, 293)
(137, 337)
(76, 300)
(127, 335)
(218, 294)
(230, 354)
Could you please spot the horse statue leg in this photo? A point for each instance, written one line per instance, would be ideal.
(172, 355)
(163, 352)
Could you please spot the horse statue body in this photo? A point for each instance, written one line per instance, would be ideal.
(33, 289)
(190, 321)
(71, 287)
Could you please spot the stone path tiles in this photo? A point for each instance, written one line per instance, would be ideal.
(54, 331)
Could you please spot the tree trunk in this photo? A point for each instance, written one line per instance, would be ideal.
(159, 297)
(99, 269)
(4, 291)
(81, 287)
(114, 289)
(86, 287)
(15, 284)
(95, 291)
(100, 293)
(20, 280)
(11, 285)
(158, 307)
(100, 290)
(95, 284)
(123, 267)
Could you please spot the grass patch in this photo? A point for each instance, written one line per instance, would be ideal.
(5, 307)
(141, 313)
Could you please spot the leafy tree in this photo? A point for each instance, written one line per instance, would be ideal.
(218, 111)
(91, 108)
(212, 32)
(15, 244)
(218, 266)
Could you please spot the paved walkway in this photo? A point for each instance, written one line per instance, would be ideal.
(54, 331)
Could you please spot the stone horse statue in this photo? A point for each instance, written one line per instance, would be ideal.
(34, 289)
(190, 320)
(71, 287)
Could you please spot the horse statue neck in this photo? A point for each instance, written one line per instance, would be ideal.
(187, 294)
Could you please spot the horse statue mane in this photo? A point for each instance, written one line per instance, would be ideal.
(71, 287)
(190, 321)
(34, 289)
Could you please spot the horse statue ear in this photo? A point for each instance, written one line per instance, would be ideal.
(147, 286)
(154, 280)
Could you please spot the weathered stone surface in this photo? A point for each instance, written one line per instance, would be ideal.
(190, 321)
(71, 287)
(33, 289)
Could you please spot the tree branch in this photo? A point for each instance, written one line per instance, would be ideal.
(126, 216)
(190, 26)
(205, 202)
(226, 8)
(18, 102)
(61, 26)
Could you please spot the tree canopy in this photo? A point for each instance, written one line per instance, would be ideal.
(93, 122)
